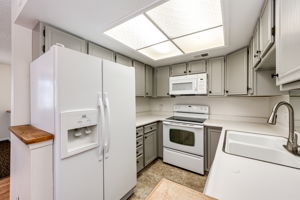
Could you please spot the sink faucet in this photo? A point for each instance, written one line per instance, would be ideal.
(292, 143)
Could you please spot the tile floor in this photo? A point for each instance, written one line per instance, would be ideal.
(151, 175)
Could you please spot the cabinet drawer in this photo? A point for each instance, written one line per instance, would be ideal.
(139, 131)
(150, 127)
(140, 163)
(139, 150)
(139, 141)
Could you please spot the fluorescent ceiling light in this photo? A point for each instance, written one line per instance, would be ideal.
(173, 28)
(201, 41)
(160, 51)
(180, 17)
(137, 33)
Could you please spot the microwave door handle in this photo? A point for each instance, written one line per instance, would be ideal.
(181, 125)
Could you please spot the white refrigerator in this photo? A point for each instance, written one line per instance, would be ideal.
(89, 105)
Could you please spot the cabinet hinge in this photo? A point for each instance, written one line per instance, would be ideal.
(273, 31)
(44, 48)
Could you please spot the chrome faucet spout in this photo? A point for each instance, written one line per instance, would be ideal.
(292, 143)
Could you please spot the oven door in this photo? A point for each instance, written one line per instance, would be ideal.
(183, 85)
(183, 137)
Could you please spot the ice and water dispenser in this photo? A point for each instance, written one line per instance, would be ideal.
(78, 131)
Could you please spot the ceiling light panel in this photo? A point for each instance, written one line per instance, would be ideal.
(160, 51)
(137, 33)
(201, 41)
(180, 17)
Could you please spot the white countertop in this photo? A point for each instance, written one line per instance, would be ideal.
(237, 178)
(148, 118)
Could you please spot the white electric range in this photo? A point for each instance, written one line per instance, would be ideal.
(183, 137)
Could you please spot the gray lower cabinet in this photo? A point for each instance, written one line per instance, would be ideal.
(162, 81)
(139, 148)
(139, 163)
(179, 69)
(149, 81)
(140, 78)
(216, 76)
(123, 60)
(101, 52)
(237, 73)
(150, 146)
(213, 136)
(146, 145)
(196, 67)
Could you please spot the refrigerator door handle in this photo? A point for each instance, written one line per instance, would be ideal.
(101, 123)
(107, 140)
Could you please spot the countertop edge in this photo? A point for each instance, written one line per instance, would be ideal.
(30, 134)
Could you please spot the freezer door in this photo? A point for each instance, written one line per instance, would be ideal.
(120, 147)
(78, 172)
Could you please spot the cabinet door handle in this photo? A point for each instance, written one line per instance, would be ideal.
(274, 75)
(209, 92)
(184, 72)
(137, 162)
(146, 137)
(190, 71)
(255, 56)
(226, 91)
(258, 51)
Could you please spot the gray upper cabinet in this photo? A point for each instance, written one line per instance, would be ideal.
(197, 67)
(250, 69)
(123, 60)
(266, 23)
(288, 43)
(256, 47)
(216, 75)
(149, 80)
(150, 147)
(140, 78)
(54, 36)
(101, 52)
(237, 72)
(179, 69)
(264, 83)
(162, 81)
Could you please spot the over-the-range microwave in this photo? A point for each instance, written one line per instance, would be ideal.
(188, 85)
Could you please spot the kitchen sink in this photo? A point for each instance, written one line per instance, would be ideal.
(260, 147)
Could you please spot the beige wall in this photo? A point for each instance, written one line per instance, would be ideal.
(256, 109)
(224, 108)
(142, 105)
(5, 82)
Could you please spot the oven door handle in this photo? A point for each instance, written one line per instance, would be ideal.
(181, 125)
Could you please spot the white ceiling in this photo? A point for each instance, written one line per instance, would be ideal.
(90, 18)
(5, 38)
